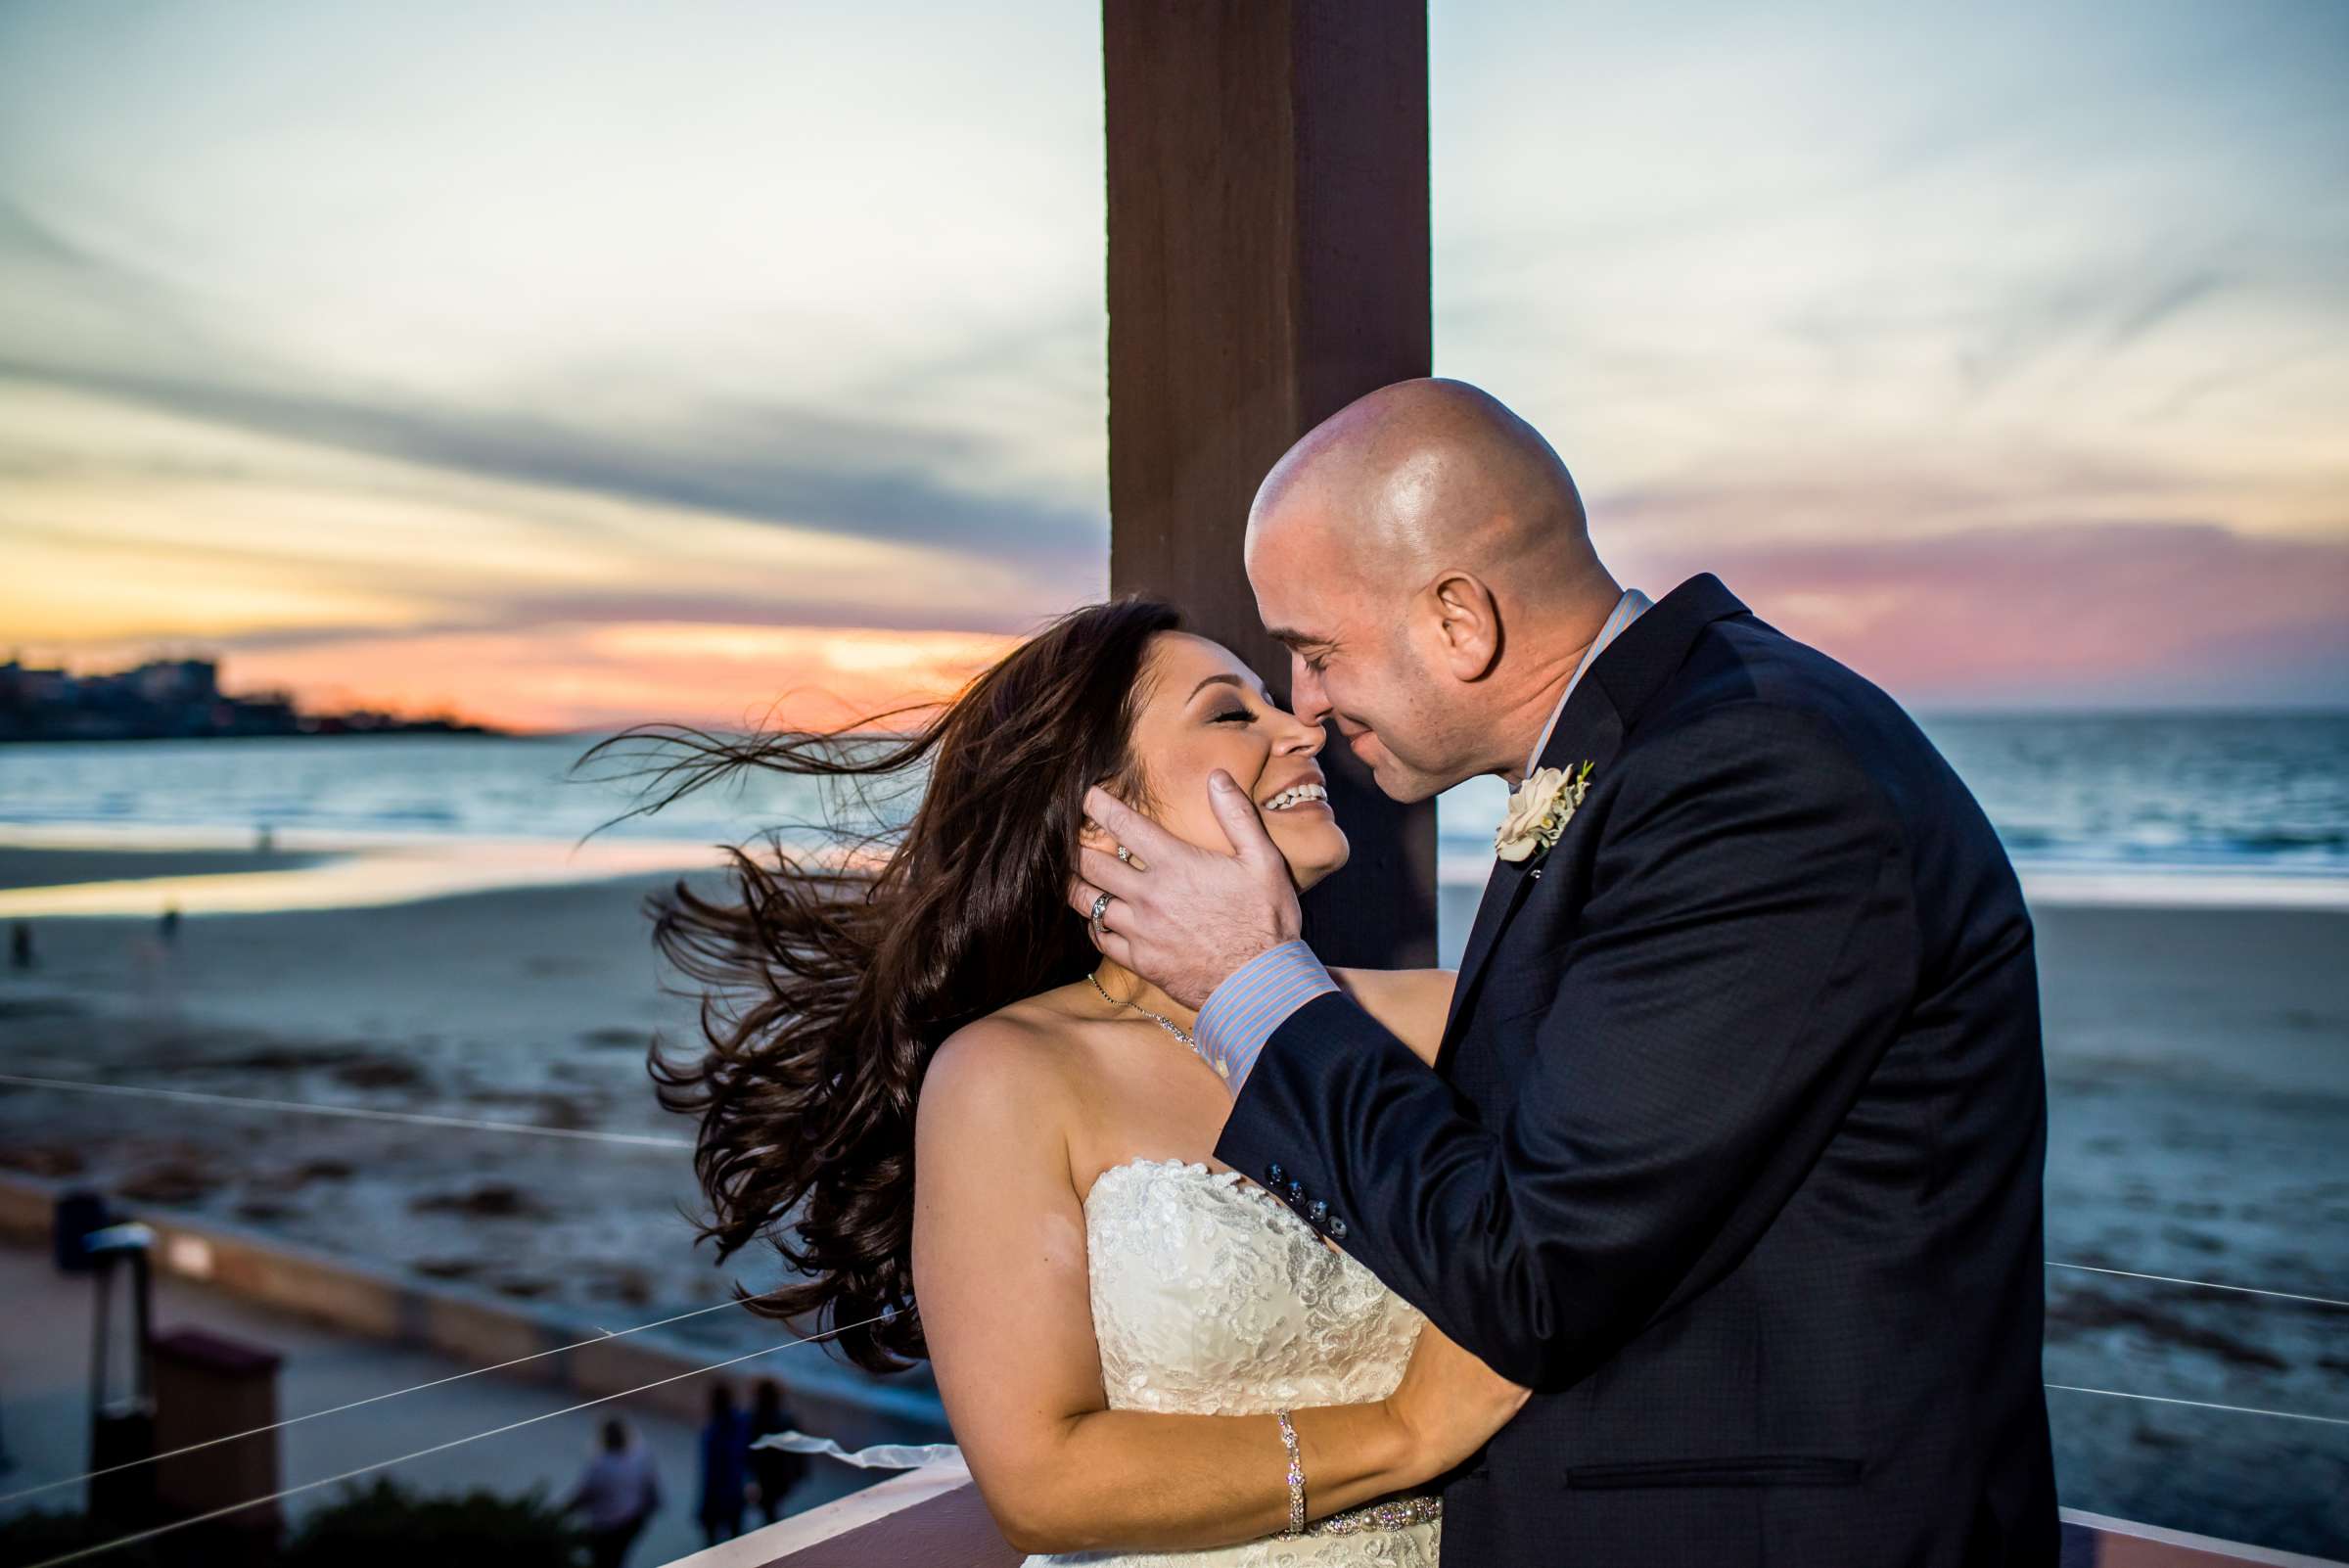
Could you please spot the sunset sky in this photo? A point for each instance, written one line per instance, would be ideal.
(570, 365)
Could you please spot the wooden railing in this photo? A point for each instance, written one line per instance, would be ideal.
(927, 1518)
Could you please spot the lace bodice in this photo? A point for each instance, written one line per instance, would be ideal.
(1211, 1297)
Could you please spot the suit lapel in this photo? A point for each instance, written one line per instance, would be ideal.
(1605, 705)
(1502, 888)
(1588, 730)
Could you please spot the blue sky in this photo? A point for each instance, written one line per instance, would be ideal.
(570, 363)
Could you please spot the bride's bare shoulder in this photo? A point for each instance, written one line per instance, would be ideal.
(1011, 1065)
(1412, 1003)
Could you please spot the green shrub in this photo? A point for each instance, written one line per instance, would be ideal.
(43, 1533)
(385, 1525)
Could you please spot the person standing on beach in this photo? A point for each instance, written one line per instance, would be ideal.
(618, 1491)
(774, 1471)
(725, 1466)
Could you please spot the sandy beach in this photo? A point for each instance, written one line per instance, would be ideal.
(30, 866)
(2198, 1066)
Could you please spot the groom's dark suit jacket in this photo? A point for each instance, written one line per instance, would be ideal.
(1733, 1149)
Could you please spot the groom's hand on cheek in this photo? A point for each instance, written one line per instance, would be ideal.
(1191, 916)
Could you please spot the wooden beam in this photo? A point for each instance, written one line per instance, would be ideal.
(1268, 265)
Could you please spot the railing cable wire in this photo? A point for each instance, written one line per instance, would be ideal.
(439, 1447)
(2200, 1405)
(642, 1140)
(372, 1398)
(2201, 1284)
(659, 1142)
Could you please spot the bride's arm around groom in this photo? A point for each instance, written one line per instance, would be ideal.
(1000, 1247)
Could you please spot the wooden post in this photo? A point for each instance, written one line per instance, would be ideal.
(1268, 265)
(208, 1386)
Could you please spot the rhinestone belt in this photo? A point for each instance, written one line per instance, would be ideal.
(1395, 1513)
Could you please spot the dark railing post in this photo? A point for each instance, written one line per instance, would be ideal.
(209, 1386)
(1268, 265)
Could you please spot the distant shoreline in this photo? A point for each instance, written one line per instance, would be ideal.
(2092, 885)
(1927, 717)
(426, 727)
(65, 869)
(46, 875)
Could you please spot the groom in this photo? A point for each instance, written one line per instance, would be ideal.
(1733, 1151)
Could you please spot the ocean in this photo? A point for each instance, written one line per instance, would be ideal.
(2159, 803)
(2113, 807)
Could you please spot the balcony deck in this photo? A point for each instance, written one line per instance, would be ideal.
(934, 1518)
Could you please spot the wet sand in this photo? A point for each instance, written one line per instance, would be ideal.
(61, 872)
(48, 868)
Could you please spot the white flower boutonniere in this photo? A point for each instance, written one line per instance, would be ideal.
(1539, 810)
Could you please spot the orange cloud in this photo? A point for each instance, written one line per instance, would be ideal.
(588, 675)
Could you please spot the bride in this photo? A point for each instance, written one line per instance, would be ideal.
(929, 1091)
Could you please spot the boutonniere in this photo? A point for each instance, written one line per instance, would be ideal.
(1539, 810)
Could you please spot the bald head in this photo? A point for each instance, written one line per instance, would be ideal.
(1424, 556)
(1425, 474)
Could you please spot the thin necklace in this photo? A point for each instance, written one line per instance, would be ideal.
(1220, 1066)
(1160, 1019)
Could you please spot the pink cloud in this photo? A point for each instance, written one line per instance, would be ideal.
(2128, 613)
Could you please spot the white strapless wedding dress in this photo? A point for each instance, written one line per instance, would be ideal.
(1212, 1298)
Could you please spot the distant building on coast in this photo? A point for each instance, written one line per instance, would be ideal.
(173, 699)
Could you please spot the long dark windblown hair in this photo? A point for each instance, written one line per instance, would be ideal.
(828, 980)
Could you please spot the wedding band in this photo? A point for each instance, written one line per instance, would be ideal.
(1101, 909)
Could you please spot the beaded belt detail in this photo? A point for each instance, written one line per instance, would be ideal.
(1394, 1513)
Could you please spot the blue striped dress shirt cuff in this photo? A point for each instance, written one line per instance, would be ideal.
(1254, 1000)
